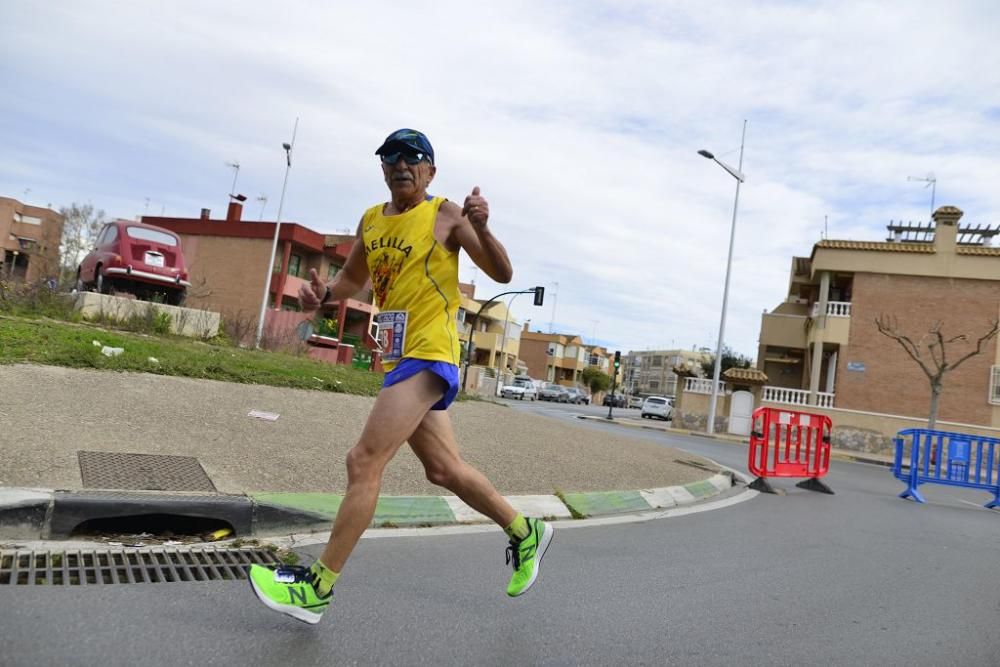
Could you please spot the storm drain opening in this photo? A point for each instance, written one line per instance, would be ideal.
(129, 566)
(158, 526)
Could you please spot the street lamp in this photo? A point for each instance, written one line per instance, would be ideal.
(274, 246)
(738, 175)
(503, 343)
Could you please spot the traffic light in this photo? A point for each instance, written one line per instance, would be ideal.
(618, 359)
(539, 295)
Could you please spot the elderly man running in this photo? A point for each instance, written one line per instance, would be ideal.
(409, 248)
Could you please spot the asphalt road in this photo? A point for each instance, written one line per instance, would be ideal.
(858, 578)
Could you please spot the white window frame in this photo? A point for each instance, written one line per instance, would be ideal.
(994, 392)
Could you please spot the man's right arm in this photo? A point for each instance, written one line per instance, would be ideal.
(347, 282)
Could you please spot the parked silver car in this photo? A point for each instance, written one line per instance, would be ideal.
(578, 396)
(554, 392)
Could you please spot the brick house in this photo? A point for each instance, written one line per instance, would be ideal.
(29, 241)
(558, 358)
(820, 349)
(227, 260)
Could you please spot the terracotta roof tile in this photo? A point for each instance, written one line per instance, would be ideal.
(978, 250)
(746, 375)
(876, 245)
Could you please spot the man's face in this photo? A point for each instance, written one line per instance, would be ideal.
(405, 179)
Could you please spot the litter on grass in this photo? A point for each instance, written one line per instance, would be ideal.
(266, 416)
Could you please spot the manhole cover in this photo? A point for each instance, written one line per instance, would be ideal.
(142, 472)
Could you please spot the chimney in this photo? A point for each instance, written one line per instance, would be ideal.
(234, 212)
(206, 214)
(946, 228)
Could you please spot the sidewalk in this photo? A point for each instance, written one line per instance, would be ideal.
(667, 427)
(272, 476)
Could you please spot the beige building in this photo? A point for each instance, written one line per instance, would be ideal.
(497, 336)
(29, 242)
(651, 372)
(820, 349)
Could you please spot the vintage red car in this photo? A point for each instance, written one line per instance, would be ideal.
(140, 259)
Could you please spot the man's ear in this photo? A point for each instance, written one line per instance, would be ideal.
(433, 171)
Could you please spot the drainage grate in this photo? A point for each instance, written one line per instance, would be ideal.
(128, 566)
(147, 472)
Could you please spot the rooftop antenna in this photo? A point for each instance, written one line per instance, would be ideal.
(931, 182)
(263, 203)
(146, 209)
(235, 166)
(555, 298)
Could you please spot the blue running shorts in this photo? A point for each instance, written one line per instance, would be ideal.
(408, 367)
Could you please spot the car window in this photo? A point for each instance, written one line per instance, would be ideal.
(111, 235)
(656, 401)
(144, 234)
(103, 235)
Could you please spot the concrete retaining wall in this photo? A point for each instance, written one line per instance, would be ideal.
(183, 321)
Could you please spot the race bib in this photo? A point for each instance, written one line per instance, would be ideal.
(391, 333)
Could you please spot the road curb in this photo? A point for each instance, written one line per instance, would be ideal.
(56, 514)
(842, 454)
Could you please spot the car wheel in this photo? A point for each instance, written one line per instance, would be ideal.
(176, 298)
(103, 286)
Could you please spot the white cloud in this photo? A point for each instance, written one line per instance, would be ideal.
(580, 122)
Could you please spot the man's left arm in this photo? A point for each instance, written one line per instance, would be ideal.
(473, 234)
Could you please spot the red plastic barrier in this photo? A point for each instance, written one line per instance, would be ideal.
(788, 443)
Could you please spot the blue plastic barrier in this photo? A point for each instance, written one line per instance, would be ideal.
(927, 465)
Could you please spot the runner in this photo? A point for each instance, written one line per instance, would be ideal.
(408, 248)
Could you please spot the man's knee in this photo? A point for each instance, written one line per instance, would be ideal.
(443, 473)
(361, 464)
(439, 476)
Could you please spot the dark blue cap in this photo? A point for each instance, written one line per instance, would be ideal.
(407, 138)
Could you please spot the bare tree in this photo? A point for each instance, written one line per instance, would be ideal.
(935, 365)
(81, 223)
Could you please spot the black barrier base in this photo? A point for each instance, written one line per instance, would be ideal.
(813, 484)
(762, 485)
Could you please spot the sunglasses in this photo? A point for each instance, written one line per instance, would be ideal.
(410, 158)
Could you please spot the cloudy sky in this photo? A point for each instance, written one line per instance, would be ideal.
(580, 121)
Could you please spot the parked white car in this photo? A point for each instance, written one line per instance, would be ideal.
(523, 389)
(658, 406)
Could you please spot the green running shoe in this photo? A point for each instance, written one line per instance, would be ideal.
(289, 589)
(526, 556)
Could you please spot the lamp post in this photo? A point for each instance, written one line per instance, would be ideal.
(277, 228)
(503, 343)
(738, 175)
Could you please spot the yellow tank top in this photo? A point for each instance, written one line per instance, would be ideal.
(415, 282)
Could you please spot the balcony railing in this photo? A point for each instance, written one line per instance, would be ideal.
(701, 385)
(796, 397)
(834, 309)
